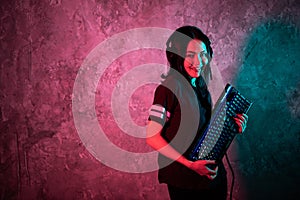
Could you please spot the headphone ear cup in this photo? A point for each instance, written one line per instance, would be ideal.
(170, 55)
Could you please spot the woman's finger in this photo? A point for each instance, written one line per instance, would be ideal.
(243, 117)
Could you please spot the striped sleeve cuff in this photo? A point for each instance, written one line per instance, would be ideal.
(159, 114)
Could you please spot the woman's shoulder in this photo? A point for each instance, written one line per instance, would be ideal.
(173, 81)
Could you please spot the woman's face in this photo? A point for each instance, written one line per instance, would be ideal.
(196, 58)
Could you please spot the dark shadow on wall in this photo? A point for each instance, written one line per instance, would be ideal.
(269, 150)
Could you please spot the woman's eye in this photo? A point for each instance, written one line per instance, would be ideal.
(204, 54)
(190, 55)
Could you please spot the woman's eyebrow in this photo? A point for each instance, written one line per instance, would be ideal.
(196, 52)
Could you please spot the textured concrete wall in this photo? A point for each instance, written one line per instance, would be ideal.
(269, 152)
(43, 45)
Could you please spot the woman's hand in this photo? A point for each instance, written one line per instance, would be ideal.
(241, 121)
(201, 167)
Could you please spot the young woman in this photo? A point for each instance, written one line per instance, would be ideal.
(180, 112)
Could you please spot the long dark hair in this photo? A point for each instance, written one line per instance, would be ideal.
(177, 45)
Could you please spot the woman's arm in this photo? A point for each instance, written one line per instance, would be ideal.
(157, 142)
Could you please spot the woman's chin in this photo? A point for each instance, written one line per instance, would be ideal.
(195, 75)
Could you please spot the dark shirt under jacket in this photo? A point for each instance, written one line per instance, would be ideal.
(171, 97)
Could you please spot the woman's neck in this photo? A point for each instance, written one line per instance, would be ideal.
(193, 82)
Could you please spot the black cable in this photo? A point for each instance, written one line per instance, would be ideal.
(232, 182)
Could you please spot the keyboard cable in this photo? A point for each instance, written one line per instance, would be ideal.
(232, 181)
